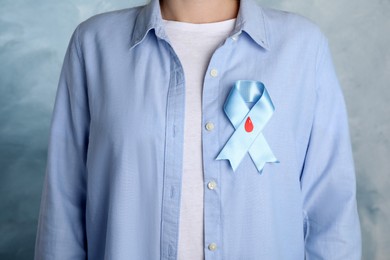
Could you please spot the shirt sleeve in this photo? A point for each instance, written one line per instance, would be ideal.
(61, 223)
(332, 227)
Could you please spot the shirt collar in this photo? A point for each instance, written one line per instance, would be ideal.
(250, 18)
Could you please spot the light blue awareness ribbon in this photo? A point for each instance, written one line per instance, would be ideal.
(248, 107)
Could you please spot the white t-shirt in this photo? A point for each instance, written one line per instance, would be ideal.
(194, 44)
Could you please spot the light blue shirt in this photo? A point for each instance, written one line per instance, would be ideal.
(114, 166)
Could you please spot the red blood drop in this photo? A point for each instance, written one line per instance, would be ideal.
(248, 125)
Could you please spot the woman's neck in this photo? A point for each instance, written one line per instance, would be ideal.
(199, 11)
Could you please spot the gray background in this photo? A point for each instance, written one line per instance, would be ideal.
(33, 39)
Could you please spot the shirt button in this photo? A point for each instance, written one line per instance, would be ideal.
(209, 126)
(214, 73)
(212, 246)
(235, 37)
(211, 185)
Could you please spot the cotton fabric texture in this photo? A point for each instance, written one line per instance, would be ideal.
(114, 167)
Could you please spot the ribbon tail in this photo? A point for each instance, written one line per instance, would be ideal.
(261, 153)
(233, 155)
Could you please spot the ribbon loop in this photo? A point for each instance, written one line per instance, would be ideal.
(248, 107)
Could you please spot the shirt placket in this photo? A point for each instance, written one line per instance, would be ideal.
(173, 159)
(211, 116)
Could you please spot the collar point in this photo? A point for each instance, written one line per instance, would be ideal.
(265, 45)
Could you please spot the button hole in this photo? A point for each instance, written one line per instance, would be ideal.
(170, 250)
(172, 192)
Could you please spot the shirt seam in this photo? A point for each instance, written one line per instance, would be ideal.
(320, 58)
(78, 46)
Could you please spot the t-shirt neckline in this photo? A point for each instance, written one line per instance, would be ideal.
(224, 25)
